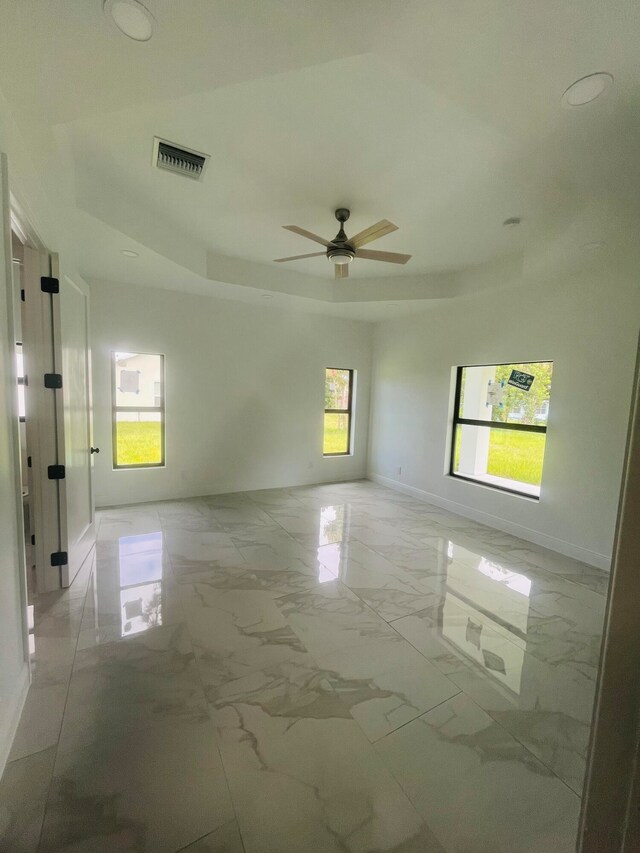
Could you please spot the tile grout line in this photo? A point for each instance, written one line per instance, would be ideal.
(459, 692)
(206, 701)
(462, 691)
(377, 615)
(57, 744)
(207, 834)
(333, 690)
(524, 746)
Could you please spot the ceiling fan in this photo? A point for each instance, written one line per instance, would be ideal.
(342, 249)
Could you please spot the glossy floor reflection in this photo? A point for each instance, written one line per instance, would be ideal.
(328, 668)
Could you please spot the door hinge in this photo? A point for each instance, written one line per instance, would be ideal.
(22, 295)
(48, 284)
(55, 472)
(59, 558)
(33, 538)
(53, 380)
(29, 462)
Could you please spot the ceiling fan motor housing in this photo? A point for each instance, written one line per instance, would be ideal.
(340, 251)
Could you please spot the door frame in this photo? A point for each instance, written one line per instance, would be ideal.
(47, 445)
(19, 224)
(610, 817)
(50, 301)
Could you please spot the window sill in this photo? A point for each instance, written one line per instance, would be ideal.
(138, 467)
(500, 484)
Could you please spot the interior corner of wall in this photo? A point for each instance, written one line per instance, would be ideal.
(10, 715)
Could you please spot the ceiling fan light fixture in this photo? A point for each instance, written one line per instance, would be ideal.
(131, 17)
(341, 252)
(341, 257)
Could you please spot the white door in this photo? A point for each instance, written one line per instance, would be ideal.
(75, 435)
(58, 418)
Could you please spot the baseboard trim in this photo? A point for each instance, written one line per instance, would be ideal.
(10, 720)
(568, 549)
(103, 502)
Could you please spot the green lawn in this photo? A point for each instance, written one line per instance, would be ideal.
(335, 434)
(515, 455)
(139, 443)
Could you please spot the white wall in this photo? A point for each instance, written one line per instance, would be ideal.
(588, 326)
(244, 392)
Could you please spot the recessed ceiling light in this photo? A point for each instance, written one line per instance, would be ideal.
(512, 222)
(267, 295)
(587, 89)
(594, 246)
(129, 253)
(131, 18)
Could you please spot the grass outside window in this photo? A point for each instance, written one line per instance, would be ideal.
(514, 456)
(336, 434)
(139, 443)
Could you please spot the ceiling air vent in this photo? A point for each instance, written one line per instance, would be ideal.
(182, 161)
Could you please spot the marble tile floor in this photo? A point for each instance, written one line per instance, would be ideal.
(326, 668)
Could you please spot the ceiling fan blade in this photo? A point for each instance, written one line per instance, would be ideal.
(373, 233)
(298, 257)
(342, 270)
(389, 257)
(307, 234)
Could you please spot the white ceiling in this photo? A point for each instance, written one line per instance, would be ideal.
(443, 117)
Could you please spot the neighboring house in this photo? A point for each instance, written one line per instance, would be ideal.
(540, 415)
(542, 412)
(138, 380)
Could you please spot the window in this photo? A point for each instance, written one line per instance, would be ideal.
(138, 409)
(338, 399)
(500, 425)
